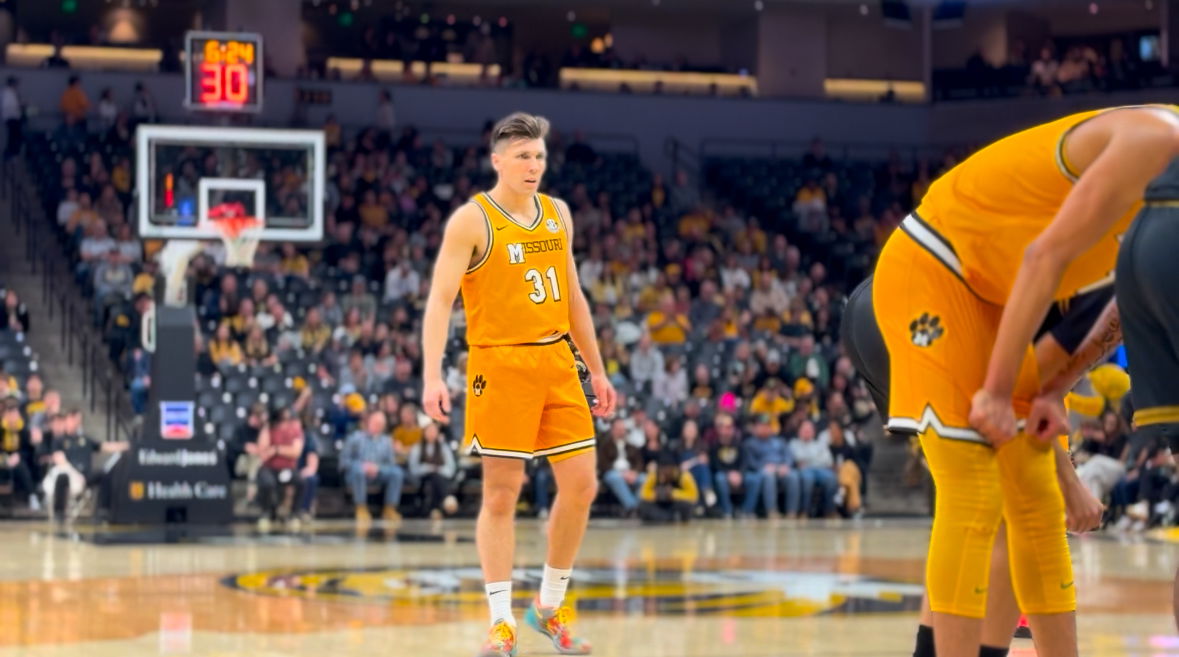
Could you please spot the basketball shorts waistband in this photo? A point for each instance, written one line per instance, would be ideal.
(556, 339)
(934, 242)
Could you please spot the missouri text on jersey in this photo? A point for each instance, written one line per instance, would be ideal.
(518, 250)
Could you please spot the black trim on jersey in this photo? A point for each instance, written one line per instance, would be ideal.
(948, 266)
(509, 217)
(1062, 163)
(564, 221)
(556, 337)
(942, 240)
(490, 242)
(933, 231)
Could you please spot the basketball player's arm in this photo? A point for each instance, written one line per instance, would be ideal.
(465, 232)
(1058, 367)
(1099, 343)
(1130, 151)
(581, 327)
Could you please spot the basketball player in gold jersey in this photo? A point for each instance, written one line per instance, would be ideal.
(511, 252)
(958, 294)
(1078, 333)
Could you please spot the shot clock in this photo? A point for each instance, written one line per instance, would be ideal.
(223, 71)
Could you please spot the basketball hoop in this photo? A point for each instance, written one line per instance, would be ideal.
(240, 233)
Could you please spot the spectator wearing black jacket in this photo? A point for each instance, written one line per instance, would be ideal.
(14, 315)
(727, 459)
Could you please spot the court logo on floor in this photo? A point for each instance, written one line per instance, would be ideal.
(651, 591)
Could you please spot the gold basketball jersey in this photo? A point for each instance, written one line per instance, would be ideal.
(992, 205)
(518, 292)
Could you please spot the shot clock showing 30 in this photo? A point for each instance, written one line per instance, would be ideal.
(223, 71)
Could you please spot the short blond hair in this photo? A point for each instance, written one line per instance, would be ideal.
(519, 125)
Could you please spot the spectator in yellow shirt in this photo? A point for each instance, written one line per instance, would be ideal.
(695, 224)
(667, 326)
(407, 433)
(74, 103)
(373, 214)
(768, 322)
(668, 494)
(223, 349)
(293, 262)
(315, 333)
(771, 401)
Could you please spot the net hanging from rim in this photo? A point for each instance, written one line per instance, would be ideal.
(239, 232)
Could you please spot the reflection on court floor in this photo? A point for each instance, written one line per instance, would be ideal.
(701, 590)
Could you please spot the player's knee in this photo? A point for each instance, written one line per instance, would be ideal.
(500, 500)
(964, 505)
(581, 492)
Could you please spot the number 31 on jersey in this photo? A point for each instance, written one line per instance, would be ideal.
(540, 293)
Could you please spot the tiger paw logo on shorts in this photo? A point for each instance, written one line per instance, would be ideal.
(925, 329)
(479, 385)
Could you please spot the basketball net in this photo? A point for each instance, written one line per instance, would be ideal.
(239, 233)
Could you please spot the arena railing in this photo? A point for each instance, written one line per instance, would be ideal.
(82, 345)
(838, 151)
(683, 158)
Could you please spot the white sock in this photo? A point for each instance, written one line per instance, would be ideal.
(552, 587)
(499, 599)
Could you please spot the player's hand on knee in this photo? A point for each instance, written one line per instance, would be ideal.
(1082, 510)
(992, 416)
(605, 393)
(436, 401)
(1047, 418)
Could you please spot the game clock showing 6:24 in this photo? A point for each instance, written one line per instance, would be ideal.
(223, 71)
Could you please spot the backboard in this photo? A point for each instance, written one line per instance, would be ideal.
(183, 171)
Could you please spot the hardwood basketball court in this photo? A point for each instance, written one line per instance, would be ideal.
(708, 589)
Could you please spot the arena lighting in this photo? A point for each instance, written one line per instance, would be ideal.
(861, 90)
(29, 55)
(643, 81)
(391, 70)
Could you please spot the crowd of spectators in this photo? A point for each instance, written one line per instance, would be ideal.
(721, 337)
(1058, 68)
(47, 461)
(720, 333)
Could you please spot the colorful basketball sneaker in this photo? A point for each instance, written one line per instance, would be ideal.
(501, 641)
(554, 623)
